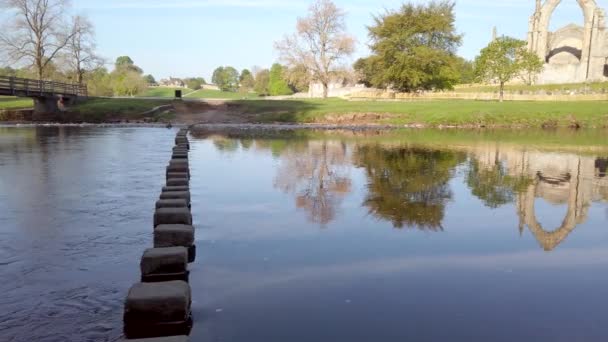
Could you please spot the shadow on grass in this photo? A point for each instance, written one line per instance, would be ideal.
(267, 111)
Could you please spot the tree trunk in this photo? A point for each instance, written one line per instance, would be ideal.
(502, 91)
(325, 90)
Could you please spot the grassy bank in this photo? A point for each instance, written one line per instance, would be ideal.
(163, 92)
(431, 113)
(9, 102)
(217, 94)
(105, 109)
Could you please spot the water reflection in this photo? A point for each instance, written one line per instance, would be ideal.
(316, 174)
(409, 184)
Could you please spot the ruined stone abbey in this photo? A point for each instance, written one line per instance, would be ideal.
(572, 54)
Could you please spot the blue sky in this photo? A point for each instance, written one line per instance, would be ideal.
(191, 37)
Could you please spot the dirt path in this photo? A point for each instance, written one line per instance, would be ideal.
(208, 112)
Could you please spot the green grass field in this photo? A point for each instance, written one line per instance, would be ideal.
(597, 87)
(217, 94)
(9, 102)
(434, 113)
(163, 92)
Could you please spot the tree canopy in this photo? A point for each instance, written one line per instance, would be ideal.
(226, 78)
(277, 85)
(413, 48)
(246, 80)
(505, 59)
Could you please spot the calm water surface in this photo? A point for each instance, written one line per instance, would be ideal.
(311, 236)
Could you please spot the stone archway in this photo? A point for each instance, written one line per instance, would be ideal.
(576, 213)
(592, 41)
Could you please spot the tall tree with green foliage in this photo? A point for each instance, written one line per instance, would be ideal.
(413, 48)
(505, 59)
(194, 83)
(246, 81)
(226, 78)
(262, 81)
(127, 78)
(277, 85)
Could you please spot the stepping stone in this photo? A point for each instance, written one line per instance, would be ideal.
(177, 155)
(164, 264)
(178, 175)
(171, 203)
(172, 215)
(181, 182)
(158, 309)
(173, 188)
(161, 339)
(176, 235)
(185, 195)
(179, 162)
(178, 168)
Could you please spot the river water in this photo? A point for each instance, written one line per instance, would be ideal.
(314, 236)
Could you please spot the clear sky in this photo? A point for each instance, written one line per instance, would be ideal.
(183, 38)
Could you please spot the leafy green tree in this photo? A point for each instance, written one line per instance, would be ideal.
(99, 82)
(277, 85)
(217, 76)
(504, 59)
(408, 186)
(194, 83)
(125, 63)
(262, 80)
(466, 70)
(226, 78)
(246, 80)
(413, 48)
(150, 79)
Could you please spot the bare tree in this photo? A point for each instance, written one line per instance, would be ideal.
(37, 33)
(319, 43)
(80, 49)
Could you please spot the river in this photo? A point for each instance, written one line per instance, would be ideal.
(313, 235)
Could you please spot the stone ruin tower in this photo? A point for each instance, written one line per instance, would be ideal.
(572, 54)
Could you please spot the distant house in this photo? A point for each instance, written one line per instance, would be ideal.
(172, 82)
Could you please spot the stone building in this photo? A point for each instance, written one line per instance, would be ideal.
(572, 54)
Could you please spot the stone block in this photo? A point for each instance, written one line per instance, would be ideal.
(183, 182)
(185, 195)
(178, 167)
(172, 215)
(164, 264)
(176, 235)
(179, 155)
(171, 203)
(158, 309)
(178, 188)
(173, 175)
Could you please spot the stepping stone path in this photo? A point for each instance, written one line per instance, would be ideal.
(158, 309)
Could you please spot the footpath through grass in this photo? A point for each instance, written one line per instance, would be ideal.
(9, 102)
(432, 113)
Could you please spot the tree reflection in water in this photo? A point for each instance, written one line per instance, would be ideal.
(318, 175)
(408, 186)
